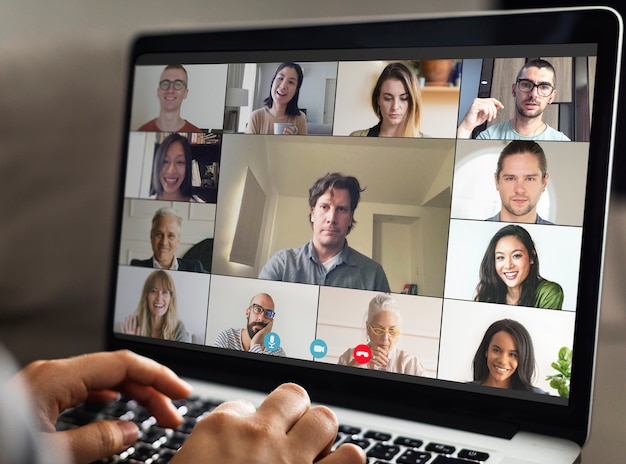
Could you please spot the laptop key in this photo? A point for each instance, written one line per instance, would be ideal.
(440, 448)
(362, 442)
(349, 430)
(383, 451)
(408, 442)
(378, 436)
(473, 455)
(414, 457)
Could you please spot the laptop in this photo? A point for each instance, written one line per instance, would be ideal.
(238, 185)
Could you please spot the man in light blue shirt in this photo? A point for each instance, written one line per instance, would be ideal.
(327, 259)
(533, 90)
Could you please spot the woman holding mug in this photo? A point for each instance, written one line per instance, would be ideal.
(280, 111)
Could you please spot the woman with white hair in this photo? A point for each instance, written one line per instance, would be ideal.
(383, 330)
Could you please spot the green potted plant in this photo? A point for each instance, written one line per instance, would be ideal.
(563, 366)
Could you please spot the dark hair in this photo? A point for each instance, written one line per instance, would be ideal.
(404, 74)
(523, 375)
(538, 63)
(332, 181)
(490, 288)
(159, 155)
(523, 146)
(292, 107)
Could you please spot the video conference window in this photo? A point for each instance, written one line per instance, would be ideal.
(378, 331)
(160, 304)
(392, 195)
(179, 98)
(525, 265)
(173, 166)
(396, 234)
(281, 98)
(520, 181)
(468, 333)
(167, 235)
(545, 98)
(393, 99)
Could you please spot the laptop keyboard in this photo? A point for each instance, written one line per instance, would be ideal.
(157, 445)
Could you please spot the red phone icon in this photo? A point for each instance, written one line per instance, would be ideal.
(362, 354)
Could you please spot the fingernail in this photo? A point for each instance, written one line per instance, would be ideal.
(130, 432)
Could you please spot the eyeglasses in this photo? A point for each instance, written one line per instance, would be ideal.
(393, 333)
(258, 309)
(178, 84)
(543, 89)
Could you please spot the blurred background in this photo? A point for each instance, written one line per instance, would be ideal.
(63, 68)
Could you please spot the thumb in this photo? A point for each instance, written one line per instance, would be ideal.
(95, 441)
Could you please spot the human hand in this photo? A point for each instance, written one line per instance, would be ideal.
(379, 358)
(258, 337)
(130, 325)
(290, 130)
(482, 110)
(60, 384)
(284, 429)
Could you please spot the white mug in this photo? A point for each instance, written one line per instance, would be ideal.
(279, 127)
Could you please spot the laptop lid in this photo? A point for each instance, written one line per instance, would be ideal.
(427, 223)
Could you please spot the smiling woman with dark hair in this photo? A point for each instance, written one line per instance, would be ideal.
(505, 357)
(281, 106)
(171, 170)
(509, 273)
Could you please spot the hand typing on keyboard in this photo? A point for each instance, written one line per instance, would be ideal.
(60, 384)
(285, 428)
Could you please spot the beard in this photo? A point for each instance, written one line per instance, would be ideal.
(254, 327)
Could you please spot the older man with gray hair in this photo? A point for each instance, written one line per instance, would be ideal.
(165, 238)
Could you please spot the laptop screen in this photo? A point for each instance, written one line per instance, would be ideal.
(413, 214)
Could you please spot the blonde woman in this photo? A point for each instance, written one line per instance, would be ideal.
(156, 315)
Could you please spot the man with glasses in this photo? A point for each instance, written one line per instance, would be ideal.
(171, 92)
(252, 338)
(533, 90)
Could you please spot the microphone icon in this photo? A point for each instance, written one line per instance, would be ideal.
(271, 341)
